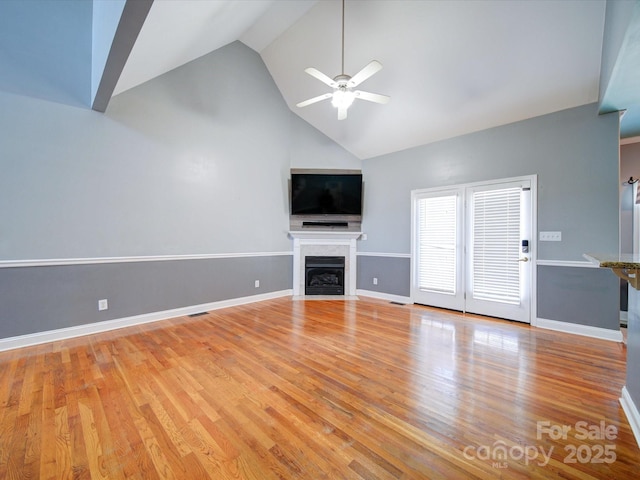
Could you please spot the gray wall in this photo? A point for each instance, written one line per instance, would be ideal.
(45, 49)
(633, 347)
(311, 149)
(573, 152)
(194, 162)
(393, 274)
(585, 296)
(34, 299)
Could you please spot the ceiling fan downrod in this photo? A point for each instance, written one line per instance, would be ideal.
(342, 66)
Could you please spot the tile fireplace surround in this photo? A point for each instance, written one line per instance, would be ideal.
(329, 243)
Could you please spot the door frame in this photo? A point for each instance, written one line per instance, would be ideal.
(533, 242)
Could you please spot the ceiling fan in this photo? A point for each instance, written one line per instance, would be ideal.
(343, 94)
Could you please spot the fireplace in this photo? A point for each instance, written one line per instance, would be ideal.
(318, 243)
(324, 275)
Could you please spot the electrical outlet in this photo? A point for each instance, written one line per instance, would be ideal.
(257, 283)
(363, 236)
(375, 280)
(550, 236)
(103, 304)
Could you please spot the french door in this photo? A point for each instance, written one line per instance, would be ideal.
(471, 248)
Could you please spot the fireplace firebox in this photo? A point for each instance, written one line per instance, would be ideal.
(324, 275)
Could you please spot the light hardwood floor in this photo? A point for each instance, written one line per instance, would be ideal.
(317, 390)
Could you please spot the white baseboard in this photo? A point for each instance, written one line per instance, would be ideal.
(80, 330)
(595, 332)
(384, 296)
(631, 411)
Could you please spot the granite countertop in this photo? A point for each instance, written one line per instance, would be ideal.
(614, 260)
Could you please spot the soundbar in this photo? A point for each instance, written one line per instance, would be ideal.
(325, 224)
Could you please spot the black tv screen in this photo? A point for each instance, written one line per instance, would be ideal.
(326, 194)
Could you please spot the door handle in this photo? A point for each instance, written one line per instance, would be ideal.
(524, 259)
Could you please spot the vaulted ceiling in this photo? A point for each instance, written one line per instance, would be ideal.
(450, 67)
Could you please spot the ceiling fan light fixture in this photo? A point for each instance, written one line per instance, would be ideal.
(343, 98)
(343, 94)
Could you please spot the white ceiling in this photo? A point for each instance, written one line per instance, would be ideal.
(178, 31)
(450, 67)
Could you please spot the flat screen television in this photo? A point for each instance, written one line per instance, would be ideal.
(332, 194)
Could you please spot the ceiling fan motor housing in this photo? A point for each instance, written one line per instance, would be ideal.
(342, 80)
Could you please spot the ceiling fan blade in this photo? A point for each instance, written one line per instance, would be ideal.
(342, 113)
(371, 68)
(320, 76)
(372, 97)
(314, 100)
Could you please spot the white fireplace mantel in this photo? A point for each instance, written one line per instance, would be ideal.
(324, 243)
(324, 235)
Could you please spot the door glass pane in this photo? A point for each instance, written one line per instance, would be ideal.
(496, 245)
(437, 244)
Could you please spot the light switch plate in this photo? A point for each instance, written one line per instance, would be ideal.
(550, 236)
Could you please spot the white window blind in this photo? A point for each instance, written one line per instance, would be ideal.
(437, 219)
(496, 245)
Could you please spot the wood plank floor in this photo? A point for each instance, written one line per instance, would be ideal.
(317, 390)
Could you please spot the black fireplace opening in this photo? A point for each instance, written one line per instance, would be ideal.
(324, 276)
